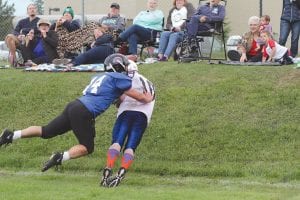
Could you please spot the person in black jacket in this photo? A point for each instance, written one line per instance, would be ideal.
(290, 22)
(42, 47)
(101, 48)
(67, 21)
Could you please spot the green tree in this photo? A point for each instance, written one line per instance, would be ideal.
(6, 16)
(39, 5)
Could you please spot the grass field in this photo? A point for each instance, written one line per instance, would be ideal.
(218, 132)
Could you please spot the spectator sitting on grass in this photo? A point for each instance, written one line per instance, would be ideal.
(249, 50)
(272, 51)
(40, 48)
(100, 49)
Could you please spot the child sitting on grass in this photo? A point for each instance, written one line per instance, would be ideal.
(272, 51)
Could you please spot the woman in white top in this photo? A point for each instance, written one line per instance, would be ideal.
(181, 11)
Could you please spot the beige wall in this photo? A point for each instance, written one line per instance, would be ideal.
(237, 11)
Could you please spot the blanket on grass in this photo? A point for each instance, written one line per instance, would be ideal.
(250, 63)
(61, 68)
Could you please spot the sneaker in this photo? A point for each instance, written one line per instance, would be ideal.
(163, 59)
(54, 160)
(6, 137)
(114, 182)
(107, 172)
(29, 63)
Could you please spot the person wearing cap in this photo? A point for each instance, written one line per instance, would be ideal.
(133, 118)
(145, 27)
(63, 27)
(100, 49)
(14, 40)
(67, 21)
(113, 19)
(41, 48)
(79, 115)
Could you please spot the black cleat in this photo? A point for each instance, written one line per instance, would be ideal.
(114, 182)
(6, 137)
(54, 160)
(107, 172)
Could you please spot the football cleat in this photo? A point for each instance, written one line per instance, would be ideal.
(6, 137)
(107, 172)
(114, 182)
(55, 160)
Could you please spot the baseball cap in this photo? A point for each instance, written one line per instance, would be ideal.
(43, 21)
(115, 5)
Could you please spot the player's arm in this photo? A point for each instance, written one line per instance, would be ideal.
(145, 97)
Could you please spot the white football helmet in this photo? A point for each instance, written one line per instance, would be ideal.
(131, 68)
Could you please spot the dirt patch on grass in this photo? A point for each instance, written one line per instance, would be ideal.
(290, 78)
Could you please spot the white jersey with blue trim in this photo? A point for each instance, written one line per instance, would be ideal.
(103, 90)
(141, 84)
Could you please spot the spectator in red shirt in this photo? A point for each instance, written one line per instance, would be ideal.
(251, 44)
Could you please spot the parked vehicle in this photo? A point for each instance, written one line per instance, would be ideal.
(233, 42)
(3, 51)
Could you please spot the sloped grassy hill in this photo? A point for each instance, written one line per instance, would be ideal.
(209, 120)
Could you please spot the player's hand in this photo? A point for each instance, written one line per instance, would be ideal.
(148, 97)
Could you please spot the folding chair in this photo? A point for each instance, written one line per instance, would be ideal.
(153, 42)
(185, 47)
(216, 31)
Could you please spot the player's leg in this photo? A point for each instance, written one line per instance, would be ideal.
(73, 118)
(137, 129)
(82, 123)
(119, 133)
(57, 126)
(8, 136)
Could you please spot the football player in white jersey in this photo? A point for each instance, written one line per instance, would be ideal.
(79, 115)
(132, 120)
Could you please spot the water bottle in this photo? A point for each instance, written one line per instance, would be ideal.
(157, 37)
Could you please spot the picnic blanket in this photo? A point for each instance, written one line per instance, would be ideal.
(250, 63)
(62, 68)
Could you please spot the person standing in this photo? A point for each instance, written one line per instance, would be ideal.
(290, 22)
(132, 120)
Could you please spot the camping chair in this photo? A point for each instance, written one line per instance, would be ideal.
(185, 47)
(217, 31)
(151, 44)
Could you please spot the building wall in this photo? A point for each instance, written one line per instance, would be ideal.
(237, 11)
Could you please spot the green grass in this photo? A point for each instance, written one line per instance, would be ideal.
(57, 186)
(215, 121)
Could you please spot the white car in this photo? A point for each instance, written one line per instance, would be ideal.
(233, 42)
(3, 51)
